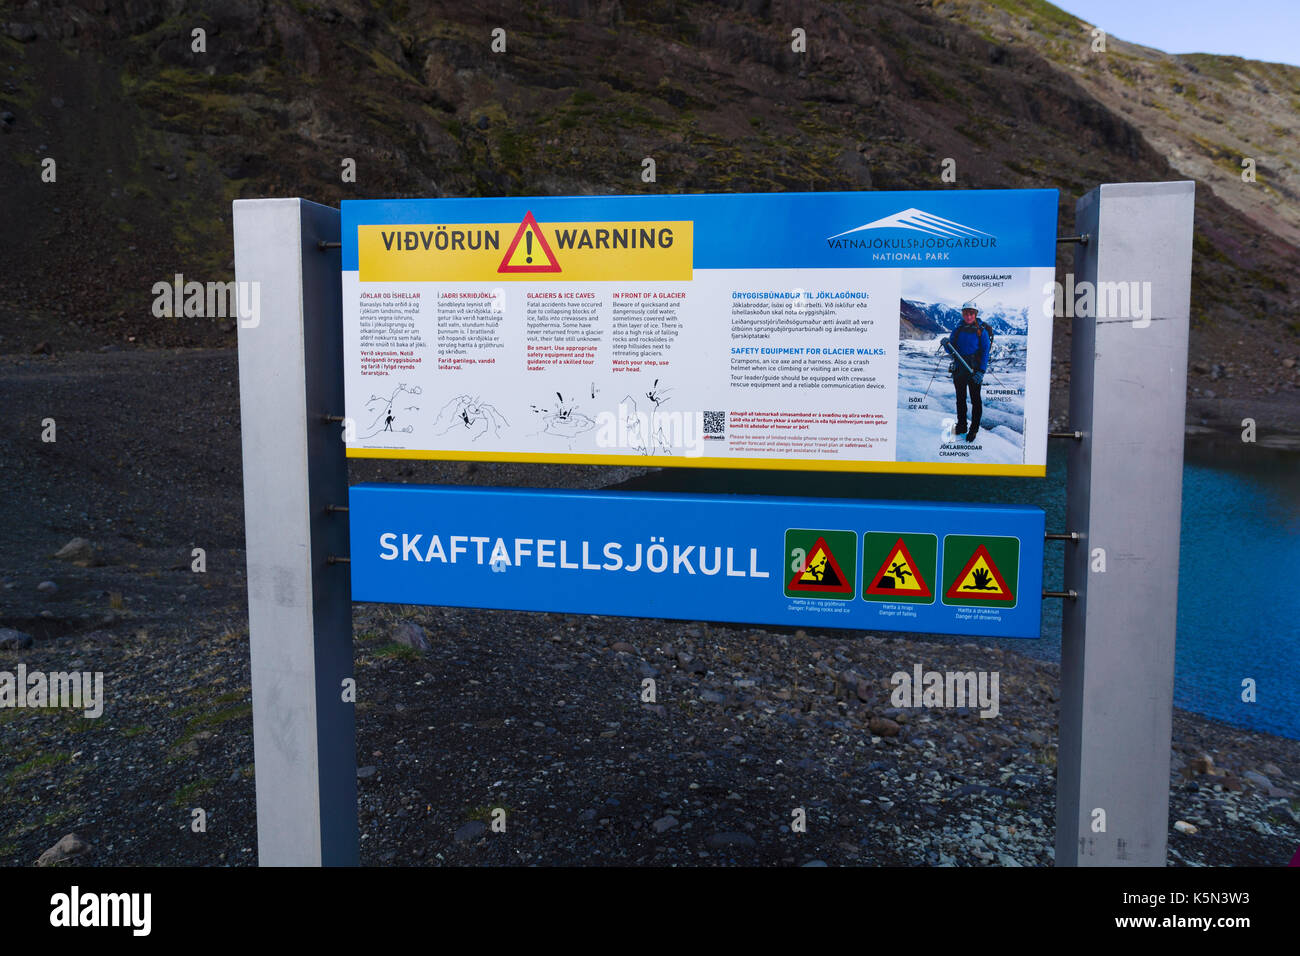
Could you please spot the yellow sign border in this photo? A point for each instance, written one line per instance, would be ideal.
(673, 461)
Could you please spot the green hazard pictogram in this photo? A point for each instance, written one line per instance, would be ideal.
(900, 567)
(822, 564)
(980, 571)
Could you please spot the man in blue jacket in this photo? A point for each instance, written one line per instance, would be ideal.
(972, 341)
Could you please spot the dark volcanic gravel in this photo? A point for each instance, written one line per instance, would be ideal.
(537, 715)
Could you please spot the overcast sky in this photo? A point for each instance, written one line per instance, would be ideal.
(1255, 29)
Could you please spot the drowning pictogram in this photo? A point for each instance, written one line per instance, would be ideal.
(980, 579)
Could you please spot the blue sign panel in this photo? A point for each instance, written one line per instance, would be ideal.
(873, 565)
(970, 228)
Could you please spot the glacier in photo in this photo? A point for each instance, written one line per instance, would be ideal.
(923, 374)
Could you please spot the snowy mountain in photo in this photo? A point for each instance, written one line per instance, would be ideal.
(925, 319)
(926, 395)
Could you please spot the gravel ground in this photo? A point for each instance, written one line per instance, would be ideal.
(537, 715)
(545, 721)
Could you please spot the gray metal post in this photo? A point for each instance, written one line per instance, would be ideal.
(1128, 383)
(299, 606)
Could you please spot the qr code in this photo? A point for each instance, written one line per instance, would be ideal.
(715, 423)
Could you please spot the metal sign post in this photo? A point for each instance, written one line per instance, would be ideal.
(299, 606)
(1128, 395)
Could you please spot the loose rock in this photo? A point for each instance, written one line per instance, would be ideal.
(470, 831)
(412, 635)
(1202, 764)
(69, 846)
(78, 551)
(883, 727)
(720, 841)
(1258, 779)
(12, 640)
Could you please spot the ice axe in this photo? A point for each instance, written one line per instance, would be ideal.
(933, 375)
(948, 347)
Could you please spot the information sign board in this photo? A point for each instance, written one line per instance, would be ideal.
(791, 330)
(889, 565)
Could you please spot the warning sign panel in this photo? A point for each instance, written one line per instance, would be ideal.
(783, 331)
(525, 250)
(821, 563)
(904, 564)
(980, 571)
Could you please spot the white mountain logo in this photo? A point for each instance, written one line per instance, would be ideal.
(920, 221)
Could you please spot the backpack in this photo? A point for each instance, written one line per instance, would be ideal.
(984, 326)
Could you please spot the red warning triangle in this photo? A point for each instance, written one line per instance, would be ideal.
(900, 575)
(980, 579)
(821, 573)
(534, 247)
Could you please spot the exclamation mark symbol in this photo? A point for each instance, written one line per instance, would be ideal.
(528, 240)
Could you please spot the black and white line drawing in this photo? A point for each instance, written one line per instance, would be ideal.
(564, 420)
(383, 411)
(471, 414)
(645, 431)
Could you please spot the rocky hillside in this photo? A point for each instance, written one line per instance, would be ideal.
(153, 139)
(1204, 113)
(916, 320)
